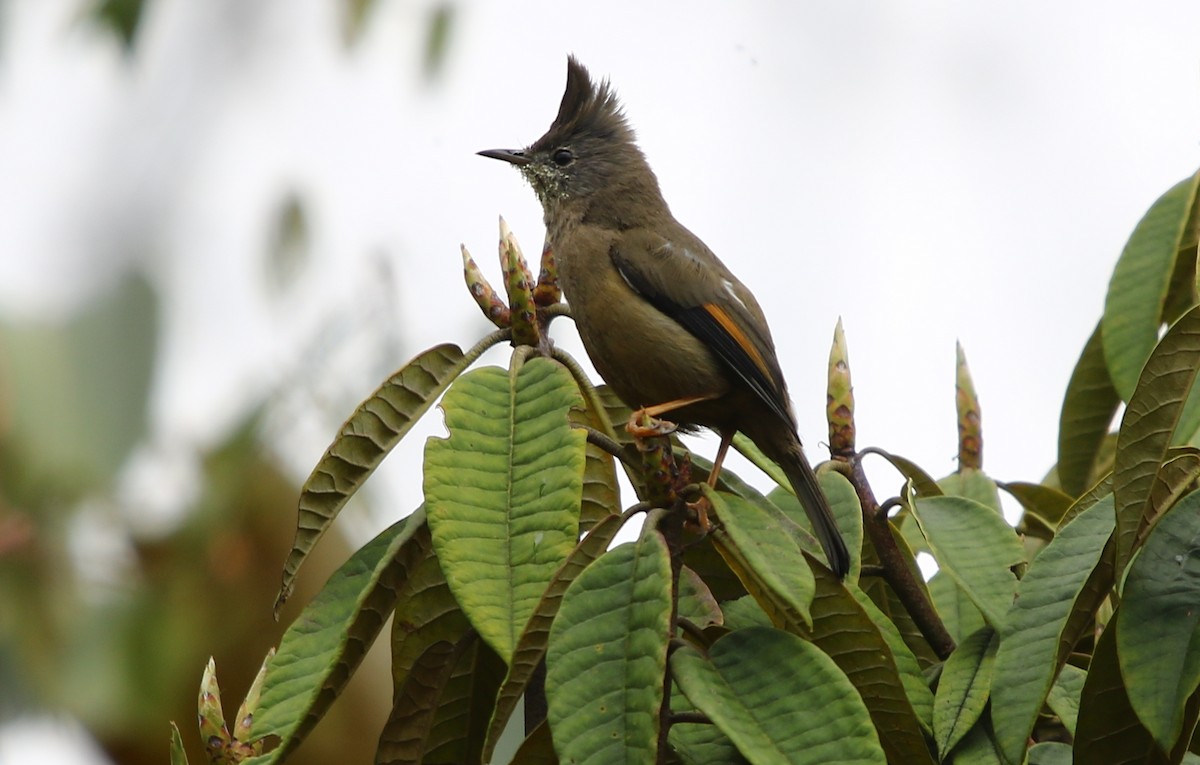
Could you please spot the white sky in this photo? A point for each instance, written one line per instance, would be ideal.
(928, 171)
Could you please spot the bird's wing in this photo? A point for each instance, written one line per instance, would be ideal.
(688, 283)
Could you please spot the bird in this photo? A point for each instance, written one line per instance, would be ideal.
(665, 323)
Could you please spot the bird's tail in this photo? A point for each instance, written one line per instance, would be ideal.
(790, 457)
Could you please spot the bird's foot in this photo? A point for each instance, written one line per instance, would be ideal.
(701, 522)
(644, 425)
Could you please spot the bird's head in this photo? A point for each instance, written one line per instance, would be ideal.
(588, 152)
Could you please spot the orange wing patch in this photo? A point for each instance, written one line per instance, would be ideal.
(727, 323)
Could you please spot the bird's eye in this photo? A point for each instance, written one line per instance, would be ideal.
(563, 157)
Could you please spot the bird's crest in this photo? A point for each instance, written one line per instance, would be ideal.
(587, 109)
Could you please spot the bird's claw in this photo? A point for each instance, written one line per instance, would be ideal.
(642, 425)
(700, 507)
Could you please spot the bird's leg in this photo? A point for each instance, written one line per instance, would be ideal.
(644, 422)
(722, 450)
(702, 505)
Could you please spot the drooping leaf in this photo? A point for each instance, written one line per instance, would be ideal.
(700, 743)
(429, 635)
(503, 492)
(1050, 753)
(607, 656)
(1133, 310)
(923, 482)
(1088, 409)
(975, 547)
(779, 699)
(750, 451)
(696, 601)
(1047, 503)
(890, 603)
(1175, 477)
(374, 428)
(972, 484)
(956, 610)
(325, 644)
(1149, 422)
(977, 747)
(1158, 640)
(761, 546)
(403, 741)
(464, 706)
(1053, 605)
(1064, 695)
(847, 513)
(537, 748)
(883, 670)
(601, 495)
(744, 612)
(963, 689)
(1108, 730)
(531, 648)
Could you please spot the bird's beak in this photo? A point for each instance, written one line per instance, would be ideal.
(513, 156)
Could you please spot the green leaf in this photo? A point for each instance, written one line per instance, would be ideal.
(503, 492)
(1088, 409)
(1053, 605)
(1158, 640)
(537, 748)
(750, 451)
(700, 743)
(963, 689)
(1148, 424)
(703, 558)
(847, 513)
(531, 648)
(1050, 753)
(922, 481)
(601, 495)
(958, 613)
(977, 748)
(865, 646)
(972, 484)
(1137, 292)
(323, 647)
(1108, 730)
(975, 547)
(761, 545)
(430, 635)
(364, 440)
(464, 706)
(608, 655)
(426, 612)
(1064, 695)
(1175, 477)
(403, 740)
(1047, 503)
(744, 612)
(696, 601)
(779, 699)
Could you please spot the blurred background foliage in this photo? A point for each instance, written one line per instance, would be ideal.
(129, 555)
